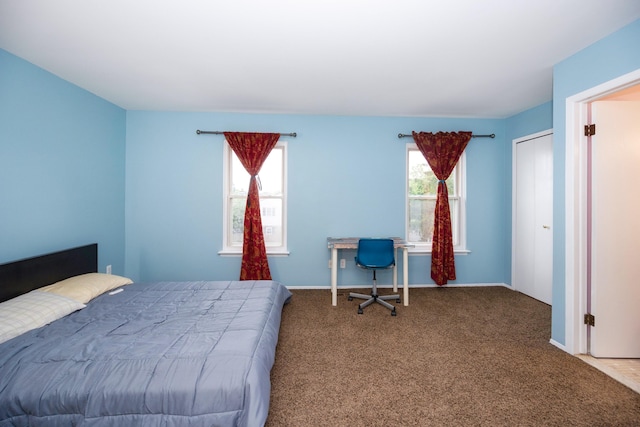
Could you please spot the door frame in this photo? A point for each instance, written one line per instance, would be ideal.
(577, 115)
(514, 142)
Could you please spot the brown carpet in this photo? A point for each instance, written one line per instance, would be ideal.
(453, 357)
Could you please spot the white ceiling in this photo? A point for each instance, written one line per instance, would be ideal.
(462, 58)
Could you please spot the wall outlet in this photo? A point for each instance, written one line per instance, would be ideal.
(109, 269)
(343, 263)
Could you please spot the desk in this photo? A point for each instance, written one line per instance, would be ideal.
(334, 244)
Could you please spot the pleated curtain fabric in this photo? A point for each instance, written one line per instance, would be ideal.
(442, 151)
(252, 150)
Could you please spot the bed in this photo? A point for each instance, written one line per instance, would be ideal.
(145, 354)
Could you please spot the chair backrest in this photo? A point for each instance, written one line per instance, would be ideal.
(375, 253)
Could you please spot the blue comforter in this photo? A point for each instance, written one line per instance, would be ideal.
(162, 354)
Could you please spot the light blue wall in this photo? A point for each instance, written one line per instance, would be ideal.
(609, 58)
(534, 120)
(346, 178)
(61, 166)
(63, 184)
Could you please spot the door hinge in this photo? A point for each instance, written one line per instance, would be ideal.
(589, 130)
(590, 319)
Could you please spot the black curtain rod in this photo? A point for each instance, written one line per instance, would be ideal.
(217, 132)
(493, 135)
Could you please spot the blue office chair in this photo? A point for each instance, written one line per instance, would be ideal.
(375, 254)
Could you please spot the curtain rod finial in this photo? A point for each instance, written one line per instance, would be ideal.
(198, 131)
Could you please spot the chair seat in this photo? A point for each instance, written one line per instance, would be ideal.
(375, 254)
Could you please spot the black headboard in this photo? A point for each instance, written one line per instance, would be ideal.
(22, 276)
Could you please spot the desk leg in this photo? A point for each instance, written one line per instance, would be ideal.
(405, 275)
(395, 271)
(334, 276)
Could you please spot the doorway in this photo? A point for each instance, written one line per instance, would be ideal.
(577, 109)
(626, 87)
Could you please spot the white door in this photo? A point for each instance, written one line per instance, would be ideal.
(533, 214)
(615, 229)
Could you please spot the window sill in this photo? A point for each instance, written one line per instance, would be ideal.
(235, 252)
(427, 251)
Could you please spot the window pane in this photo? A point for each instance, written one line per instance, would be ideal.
(272, 221)
(421, 212)
(422, 180)
(237, 221)
(239, 177)
(421, 218)
(453, 208)
(270, 175)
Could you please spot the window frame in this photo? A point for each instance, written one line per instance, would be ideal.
(227, 247)
(461, 223)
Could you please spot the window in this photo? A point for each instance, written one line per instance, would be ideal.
(272, 185)
(422, 186)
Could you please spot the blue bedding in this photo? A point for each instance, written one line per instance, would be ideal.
(161, 354)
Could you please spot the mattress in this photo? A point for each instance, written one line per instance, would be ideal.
(155, 354)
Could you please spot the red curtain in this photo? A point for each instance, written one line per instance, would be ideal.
(253, 149)
(442, 151)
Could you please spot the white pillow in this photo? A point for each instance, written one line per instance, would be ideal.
(33, 310)
(86, 287)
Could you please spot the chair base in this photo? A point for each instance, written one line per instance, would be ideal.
(370, 299)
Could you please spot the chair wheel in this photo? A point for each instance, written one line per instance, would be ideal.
(393, 312)
(350, 298)
(398, 301)
(360, 311)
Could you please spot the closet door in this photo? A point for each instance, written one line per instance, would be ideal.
(532, 252)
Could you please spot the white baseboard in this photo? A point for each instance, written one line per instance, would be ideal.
(428, 285)
(459, 285)
(557, 344)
